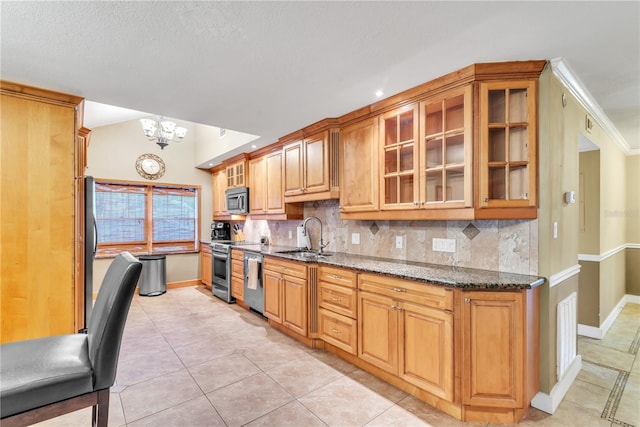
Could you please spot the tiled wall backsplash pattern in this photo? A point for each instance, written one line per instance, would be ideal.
(498, 245)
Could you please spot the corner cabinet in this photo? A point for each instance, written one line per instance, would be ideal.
(500, 365)
(42, 228)
(508, 149)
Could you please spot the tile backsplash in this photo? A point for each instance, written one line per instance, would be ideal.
(499, 245)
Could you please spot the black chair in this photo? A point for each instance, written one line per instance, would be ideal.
(47, 377)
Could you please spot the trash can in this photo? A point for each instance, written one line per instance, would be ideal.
(153, 279)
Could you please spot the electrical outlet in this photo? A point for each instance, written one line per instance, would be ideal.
(444, 245)
(355, 238)
(398, 242)
(555, 230)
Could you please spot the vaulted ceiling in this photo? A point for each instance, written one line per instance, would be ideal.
(270, 68)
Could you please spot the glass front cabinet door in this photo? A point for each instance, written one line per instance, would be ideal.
(446, 150)
(507, 145)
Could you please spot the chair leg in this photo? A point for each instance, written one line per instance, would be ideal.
(100, 411)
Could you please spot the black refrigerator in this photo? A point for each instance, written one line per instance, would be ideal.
(90, 245)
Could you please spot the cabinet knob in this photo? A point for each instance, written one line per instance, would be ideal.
(486, 199)
(467, 300)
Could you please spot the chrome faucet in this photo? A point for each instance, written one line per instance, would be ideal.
(321, 244)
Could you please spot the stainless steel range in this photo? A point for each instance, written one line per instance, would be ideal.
(221, 270)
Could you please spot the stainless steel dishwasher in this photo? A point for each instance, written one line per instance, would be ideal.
(253, 288)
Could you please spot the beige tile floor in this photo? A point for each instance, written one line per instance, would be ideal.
(188, 359)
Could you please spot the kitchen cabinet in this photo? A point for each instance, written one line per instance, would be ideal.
(426, 154)
(406, 329)
(508, 146)
(236, 171)
(500, 335)
(42, 227)
(237, 274)
(205, 265)
(338, 301)
(219, 186)
(266, 200)
(285, 290)
(308, 165)
(359, 167)
(461, 147)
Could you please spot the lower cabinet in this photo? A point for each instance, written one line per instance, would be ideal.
(411, 341)
(285, 294)
(237, 274)
(500, 367)
(337, 297)
(205, 265)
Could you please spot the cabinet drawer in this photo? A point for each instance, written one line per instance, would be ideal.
(417, 292)
(339, 330)
(237, 288)
(338, 276)
(296, 269)
(237, 268)
(338, 299)
(237, 254)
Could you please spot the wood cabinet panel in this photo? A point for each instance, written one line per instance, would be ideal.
(40, 296)
(359, 167)
(219, 200)
(338, 299)
(377, 331)
(273, 283)
(341, 331)
(295, 304)
(205, 265)
(493, 349)
(426, 349)
(293, 168)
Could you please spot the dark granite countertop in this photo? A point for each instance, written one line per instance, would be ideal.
(450, 276)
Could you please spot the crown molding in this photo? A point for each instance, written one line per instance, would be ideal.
(568, 78)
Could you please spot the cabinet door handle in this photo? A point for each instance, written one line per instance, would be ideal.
(335, 331)
(335, 276)
(334, 299)
(398, 290)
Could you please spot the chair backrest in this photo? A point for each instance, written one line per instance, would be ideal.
(108, 317)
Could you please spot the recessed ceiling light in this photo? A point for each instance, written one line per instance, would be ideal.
(379, 93)
(254, 146)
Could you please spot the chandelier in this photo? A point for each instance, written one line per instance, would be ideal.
(162, 131)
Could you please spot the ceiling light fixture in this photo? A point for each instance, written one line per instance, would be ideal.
(379, 93)
(162, 131)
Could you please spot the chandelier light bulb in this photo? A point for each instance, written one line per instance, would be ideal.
(162, 131)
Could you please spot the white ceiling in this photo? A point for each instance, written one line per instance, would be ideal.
(270, 68)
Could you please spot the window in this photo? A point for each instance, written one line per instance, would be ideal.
(146, 218)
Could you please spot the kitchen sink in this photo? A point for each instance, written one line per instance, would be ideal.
(303, 253)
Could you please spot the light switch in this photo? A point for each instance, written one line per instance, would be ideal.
(355, 238)
(398, 242)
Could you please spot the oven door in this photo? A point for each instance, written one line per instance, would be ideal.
(221, 275)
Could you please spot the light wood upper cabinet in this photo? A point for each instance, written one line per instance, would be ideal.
(508, 145)
(446, 150)
(399, 157)
(42, 228)
(219, 186)
(237, 173)
(308, 167)
(359, 167)
(266, 195)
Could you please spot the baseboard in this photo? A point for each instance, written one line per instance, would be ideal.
(599, 332)
(550, 402)
(183, 284)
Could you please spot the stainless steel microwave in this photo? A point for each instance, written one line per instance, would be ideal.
(237, 200)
